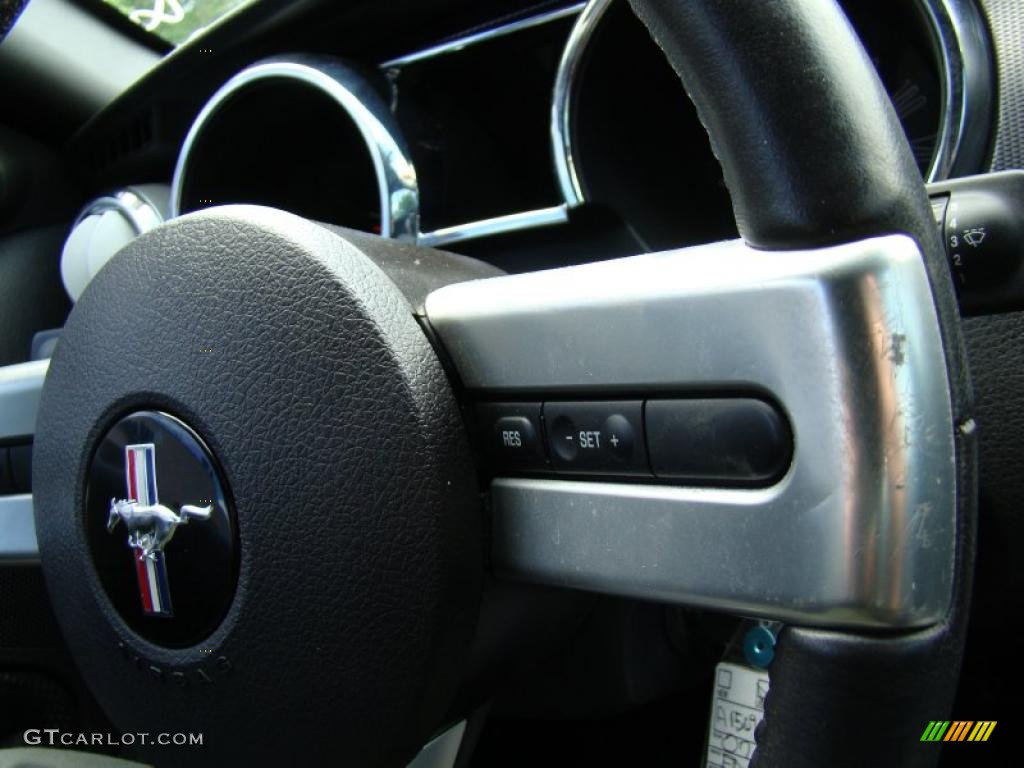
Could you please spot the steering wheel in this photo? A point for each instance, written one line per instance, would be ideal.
(320, 386)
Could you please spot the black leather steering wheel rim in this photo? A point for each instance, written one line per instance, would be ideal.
(813, 154)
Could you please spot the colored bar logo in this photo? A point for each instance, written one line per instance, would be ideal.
(151, 570)
(958, 730)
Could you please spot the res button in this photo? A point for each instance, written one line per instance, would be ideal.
(512, 436)
(598, 437)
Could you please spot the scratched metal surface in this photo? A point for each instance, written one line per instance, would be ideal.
(859, 531)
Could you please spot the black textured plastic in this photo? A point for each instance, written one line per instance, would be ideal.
(26, 620)
(343, 447)
(31, 699)
(995, 345)
(31, 294)
(813, 154)
(1006, 21)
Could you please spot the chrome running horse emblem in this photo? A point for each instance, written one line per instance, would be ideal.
(150, 526)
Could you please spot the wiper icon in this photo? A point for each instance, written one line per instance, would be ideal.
(974, 237)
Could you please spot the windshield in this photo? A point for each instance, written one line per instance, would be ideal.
(174, 20)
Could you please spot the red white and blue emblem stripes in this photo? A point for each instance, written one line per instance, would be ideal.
(151, 570)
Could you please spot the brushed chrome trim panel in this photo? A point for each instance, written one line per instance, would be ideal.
(859, 532)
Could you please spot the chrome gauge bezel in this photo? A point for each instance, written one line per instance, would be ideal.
(957, 29)
(397, 186)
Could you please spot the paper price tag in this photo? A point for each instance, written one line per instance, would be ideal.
(737, 706)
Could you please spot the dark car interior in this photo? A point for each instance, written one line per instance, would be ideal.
(479, 383)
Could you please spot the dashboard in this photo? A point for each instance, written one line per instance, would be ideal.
(554, 124)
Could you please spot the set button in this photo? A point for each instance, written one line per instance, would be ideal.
(597, 437)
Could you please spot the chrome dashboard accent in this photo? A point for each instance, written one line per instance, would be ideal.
(20, 388)
(561, 101)
(18, 545)
(957, 26)
(463, 42)
(961, 38)
(95, 237)
(964, 56)
(141, 213)
(861, 529)
(396, 176)
(442, 750)
(513, 222)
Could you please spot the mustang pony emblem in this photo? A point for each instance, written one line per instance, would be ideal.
(150, 526)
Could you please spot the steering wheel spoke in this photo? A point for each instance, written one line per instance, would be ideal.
(845, 340)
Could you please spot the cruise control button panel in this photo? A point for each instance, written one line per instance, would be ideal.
(727, 442)
(512, 435)
(597, 437)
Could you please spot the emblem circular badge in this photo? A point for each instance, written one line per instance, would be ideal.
(161, 529)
